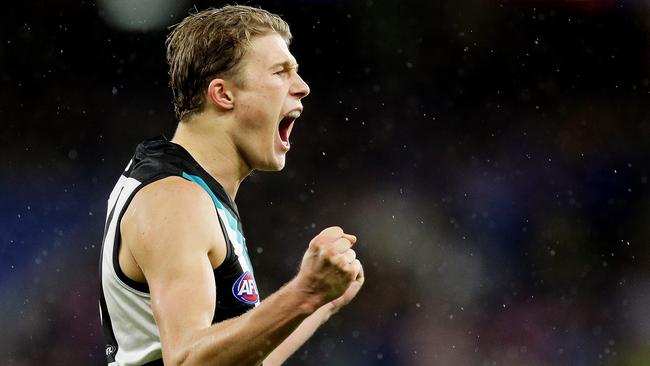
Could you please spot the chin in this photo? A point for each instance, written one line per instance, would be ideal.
(276, 165)
(280, 165)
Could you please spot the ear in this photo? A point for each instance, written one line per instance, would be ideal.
(220, 94)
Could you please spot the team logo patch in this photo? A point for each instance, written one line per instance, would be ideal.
(109, 350)
(245, 289)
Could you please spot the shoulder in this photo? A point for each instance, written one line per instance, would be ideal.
(170, 198)
(171, 215)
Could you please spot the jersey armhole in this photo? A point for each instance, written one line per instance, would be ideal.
(129, 283)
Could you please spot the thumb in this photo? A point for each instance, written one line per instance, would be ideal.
(350, 237)
(361, 277)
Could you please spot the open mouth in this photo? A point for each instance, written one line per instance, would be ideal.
(286, 125)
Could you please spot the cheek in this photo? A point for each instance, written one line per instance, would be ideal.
(267, 100)
(273, 90)
(259, 111)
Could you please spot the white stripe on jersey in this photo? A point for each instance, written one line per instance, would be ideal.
(134, 327)
(239, 247)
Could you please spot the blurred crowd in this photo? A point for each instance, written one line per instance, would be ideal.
(492, 158)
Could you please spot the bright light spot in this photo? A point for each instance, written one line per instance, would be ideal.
(143, 15)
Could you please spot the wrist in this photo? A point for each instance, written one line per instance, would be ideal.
(325, 312)
(309, 300)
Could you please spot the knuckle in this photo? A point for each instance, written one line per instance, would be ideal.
(318, 242)
(344, 244)
(357, 264)
(333, 231)
(329, 252)
(313, 242)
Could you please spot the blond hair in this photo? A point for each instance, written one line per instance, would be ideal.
(210, 44)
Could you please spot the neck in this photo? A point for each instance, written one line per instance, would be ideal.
(209, 143)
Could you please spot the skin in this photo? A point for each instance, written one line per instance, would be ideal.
(172, 240)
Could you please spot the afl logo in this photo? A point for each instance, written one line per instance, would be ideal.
(245, 289)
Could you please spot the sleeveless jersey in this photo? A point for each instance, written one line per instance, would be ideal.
(132, 337)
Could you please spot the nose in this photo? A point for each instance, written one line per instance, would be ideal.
(300, 89)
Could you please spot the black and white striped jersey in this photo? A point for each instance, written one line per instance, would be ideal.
(130, 330)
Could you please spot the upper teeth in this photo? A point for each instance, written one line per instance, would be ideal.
(293, 114)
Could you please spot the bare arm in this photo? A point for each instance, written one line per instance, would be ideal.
(309, 326)
(175, 238)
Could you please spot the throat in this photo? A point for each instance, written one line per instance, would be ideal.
(218, 157)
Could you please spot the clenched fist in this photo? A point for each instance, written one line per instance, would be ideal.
(330, 266)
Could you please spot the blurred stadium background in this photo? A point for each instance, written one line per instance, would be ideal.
(492, 157)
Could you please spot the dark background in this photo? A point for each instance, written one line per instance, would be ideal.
(491, 156)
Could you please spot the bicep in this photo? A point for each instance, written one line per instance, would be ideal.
(182, 298)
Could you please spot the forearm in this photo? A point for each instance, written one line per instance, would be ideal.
(249, 338)
(299, 336)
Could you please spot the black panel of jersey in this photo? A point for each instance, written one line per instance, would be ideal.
(130, 330)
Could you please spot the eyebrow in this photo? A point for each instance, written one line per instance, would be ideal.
(286, 65)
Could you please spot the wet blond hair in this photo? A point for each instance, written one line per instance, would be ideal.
(209, 44)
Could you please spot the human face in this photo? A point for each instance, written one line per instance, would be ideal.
(267, 102)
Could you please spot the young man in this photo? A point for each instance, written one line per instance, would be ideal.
(177, 283)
